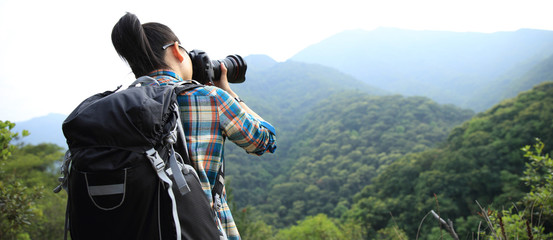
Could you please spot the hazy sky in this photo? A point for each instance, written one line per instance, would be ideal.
(53, 54)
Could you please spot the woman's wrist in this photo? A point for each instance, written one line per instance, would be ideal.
(231, 93)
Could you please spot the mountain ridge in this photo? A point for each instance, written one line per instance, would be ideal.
(445, 66)
(43, 129)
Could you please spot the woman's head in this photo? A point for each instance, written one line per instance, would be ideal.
(141, 45)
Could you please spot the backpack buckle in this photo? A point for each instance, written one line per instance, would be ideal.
(155, 159)
(64, 169)
(217, 204)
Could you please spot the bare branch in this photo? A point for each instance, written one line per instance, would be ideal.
(420, 224)
(488, 221)
(448, 227)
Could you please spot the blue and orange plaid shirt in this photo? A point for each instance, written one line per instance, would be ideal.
(209, 116)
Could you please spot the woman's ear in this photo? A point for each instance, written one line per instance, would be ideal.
(176, 52)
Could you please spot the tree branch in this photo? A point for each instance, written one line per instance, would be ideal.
(448, 227)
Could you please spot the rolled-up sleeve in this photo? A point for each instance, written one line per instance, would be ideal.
(256, 136)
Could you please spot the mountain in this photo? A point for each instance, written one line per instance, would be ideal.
(259, 62)
(44, 129)
(285, 91)
(445, 66)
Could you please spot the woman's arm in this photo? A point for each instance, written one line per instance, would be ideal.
(241, 124)
(224, 84)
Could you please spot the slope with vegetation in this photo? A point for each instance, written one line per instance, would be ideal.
(480, 161)
(343, 142)
(283, 93)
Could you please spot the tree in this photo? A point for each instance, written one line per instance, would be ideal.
(319, 227)
(539, 177)
(16, 206)
(533, 218)
(27, 210)
(35, 168)
(250, 228)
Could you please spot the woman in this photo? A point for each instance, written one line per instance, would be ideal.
(210, 114)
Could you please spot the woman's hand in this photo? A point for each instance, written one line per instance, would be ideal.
(223, 81)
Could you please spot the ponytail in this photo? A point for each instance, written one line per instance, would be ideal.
(141, 44)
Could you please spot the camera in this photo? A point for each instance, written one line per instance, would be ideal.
(206, 70)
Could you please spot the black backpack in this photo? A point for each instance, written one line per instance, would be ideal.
(124, 171)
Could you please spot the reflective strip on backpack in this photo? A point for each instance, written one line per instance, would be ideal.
(102, 190)
(159, 167)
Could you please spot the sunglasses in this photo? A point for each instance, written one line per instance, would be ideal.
(171, 44)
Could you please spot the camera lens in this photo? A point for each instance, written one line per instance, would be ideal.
(236, 68)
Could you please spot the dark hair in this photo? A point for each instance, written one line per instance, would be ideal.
(141, 44)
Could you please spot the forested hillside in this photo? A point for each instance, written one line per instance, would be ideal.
(480, 161)
(341, 145)
(283, 93)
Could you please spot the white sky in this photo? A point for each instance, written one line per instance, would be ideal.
(54, 53)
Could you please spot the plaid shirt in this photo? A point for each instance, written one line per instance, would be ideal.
(209, 116)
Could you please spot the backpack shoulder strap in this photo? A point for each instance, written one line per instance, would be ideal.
(217, 190)
(159, 166)
(186, 86)
(143, 81)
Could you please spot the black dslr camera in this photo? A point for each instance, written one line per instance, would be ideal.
(208, 71)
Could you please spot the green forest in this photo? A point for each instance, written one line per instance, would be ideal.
(361, 167)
